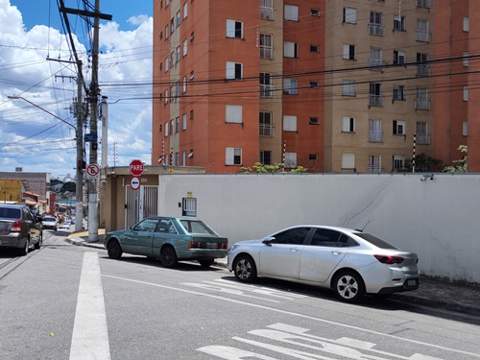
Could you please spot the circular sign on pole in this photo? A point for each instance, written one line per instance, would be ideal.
(93, 170)
(136, 168)
(135, 183)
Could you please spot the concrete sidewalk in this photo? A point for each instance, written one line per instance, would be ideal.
(432, 294)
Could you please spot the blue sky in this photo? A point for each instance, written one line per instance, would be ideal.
(36, 11)
(30, 138)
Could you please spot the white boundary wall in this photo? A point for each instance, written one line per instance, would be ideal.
(438, 219)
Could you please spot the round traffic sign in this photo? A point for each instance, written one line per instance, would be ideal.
(135, 183)
(136, 168)
(93, 170)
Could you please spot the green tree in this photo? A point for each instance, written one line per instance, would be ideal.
(459, 166)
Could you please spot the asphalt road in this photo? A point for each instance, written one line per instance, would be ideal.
(68, 302)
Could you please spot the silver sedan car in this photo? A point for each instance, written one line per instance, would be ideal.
(350, 262)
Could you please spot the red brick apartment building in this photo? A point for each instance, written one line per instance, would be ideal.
(244, 81)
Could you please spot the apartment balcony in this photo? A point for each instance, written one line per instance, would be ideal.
(424, 104)
(423, 139)
(266, 13)
(266, 130)
(375, 63)
(376, 29)
(375, 100)
(266, 53)
(375, 136)
(266, 91)
(424, 36)
(423, 70)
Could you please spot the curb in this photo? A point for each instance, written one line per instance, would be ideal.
(79, 242)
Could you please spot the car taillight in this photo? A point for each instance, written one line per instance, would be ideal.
(16, 226)
(223, 245)
(390, 260)
(197, 245)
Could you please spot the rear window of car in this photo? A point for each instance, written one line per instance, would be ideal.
(382, 244)
(7, 213)
(196, 227)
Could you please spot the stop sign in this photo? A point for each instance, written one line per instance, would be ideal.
(136, 168)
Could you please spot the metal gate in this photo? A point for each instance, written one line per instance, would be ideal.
(140, 203)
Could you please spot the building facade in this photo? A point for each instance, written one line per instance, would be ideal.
(335, 86)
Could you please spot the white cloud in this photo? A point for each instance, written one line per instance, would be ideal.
(126, 57)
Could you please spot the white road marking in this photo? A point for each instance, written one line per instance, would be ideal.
(226, 290)
(90, 334)
(231, 353)
(303, 316)
(258, 289)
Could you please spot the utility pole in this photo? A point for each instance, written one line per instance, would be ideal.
(104, 132)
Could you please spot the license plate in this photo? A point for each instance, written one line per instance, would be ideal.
(412, 283)
(212, 246)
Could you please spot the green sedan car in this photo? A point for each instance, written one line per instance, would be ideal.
(168, 239)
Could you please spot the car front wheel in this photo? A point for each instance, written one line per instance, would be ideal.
(114, 250)
(244, 268)
(348, 286)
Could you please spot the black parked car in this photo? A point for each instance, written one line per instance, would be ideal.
(19, 229)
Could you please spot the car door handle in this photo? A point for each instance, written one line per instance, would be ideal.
(293, 250)
(336, 253)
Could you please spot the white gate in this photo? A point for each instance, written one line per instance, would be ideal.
(140, 203)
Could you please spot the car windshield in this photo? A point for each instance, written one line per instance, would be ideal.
(48, 219)
(196, 227)
(8, 213)
(382, 244)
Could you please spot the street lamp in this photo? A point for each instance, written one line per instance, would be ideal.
(43, 109)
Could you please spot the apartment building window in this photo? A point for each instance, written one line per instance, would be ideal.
(375, 94)
(290, 86)
(184, 158)
(349, 15)
(375, 26)
(178, 52)
(266, 123)
(375, 164)
(348, 161)
(234, 71)
(465, 128)
(290, 123)
(423, 30)
(348, 124)
(376, 57)
(233, 156)
(398, 163)
(172, 26)
(466, 24)
(348, 52)
(399, 23)
(349, 88)
(167, 32)
(185, 47)
(185, 10)
(266, 9)
(313, 84)
(466, 94)
(291, 12)
(266, 86)
(177, 124)
(424, 4)
(399, 127)
(313, 157)
(290, 160)
(423, 68)
(167, 130)
(422, 134)
(398, 93)
(167, 63)
(266, 46)
(314, 48)
(184, 85)
(234, 114)
(423, 99)
(234, 29)
(290, 49)
(314, 12)
(266, 157)
(399, 57)
(466, 59)
(171, 127)
(178, 19)
(375, 132)
(192, 115)
(313, 121)
(184, 121)
(166, 96)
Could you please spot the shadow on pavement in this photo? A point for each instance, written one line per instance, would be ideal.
(394, 302)
(8, 253)
(181, 266)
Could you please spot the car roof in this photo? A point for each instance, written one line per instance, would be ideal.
(337, 228)
(13, 206)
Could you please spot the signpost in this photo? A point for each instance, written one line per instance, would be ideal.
(93, 170)
(136, 168)
(135, 183)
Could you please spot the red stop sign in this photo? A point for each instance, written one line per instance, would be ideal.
(136, 168)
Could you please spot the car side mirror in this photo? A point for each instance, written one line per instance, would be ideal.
(268, 240)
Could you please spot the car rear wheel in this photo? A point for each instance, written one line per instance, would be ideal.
(114, 250)
(168, 257)
(24, 250)
(38, 245)
(244, 268)
(206, 262)
(348, 286)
